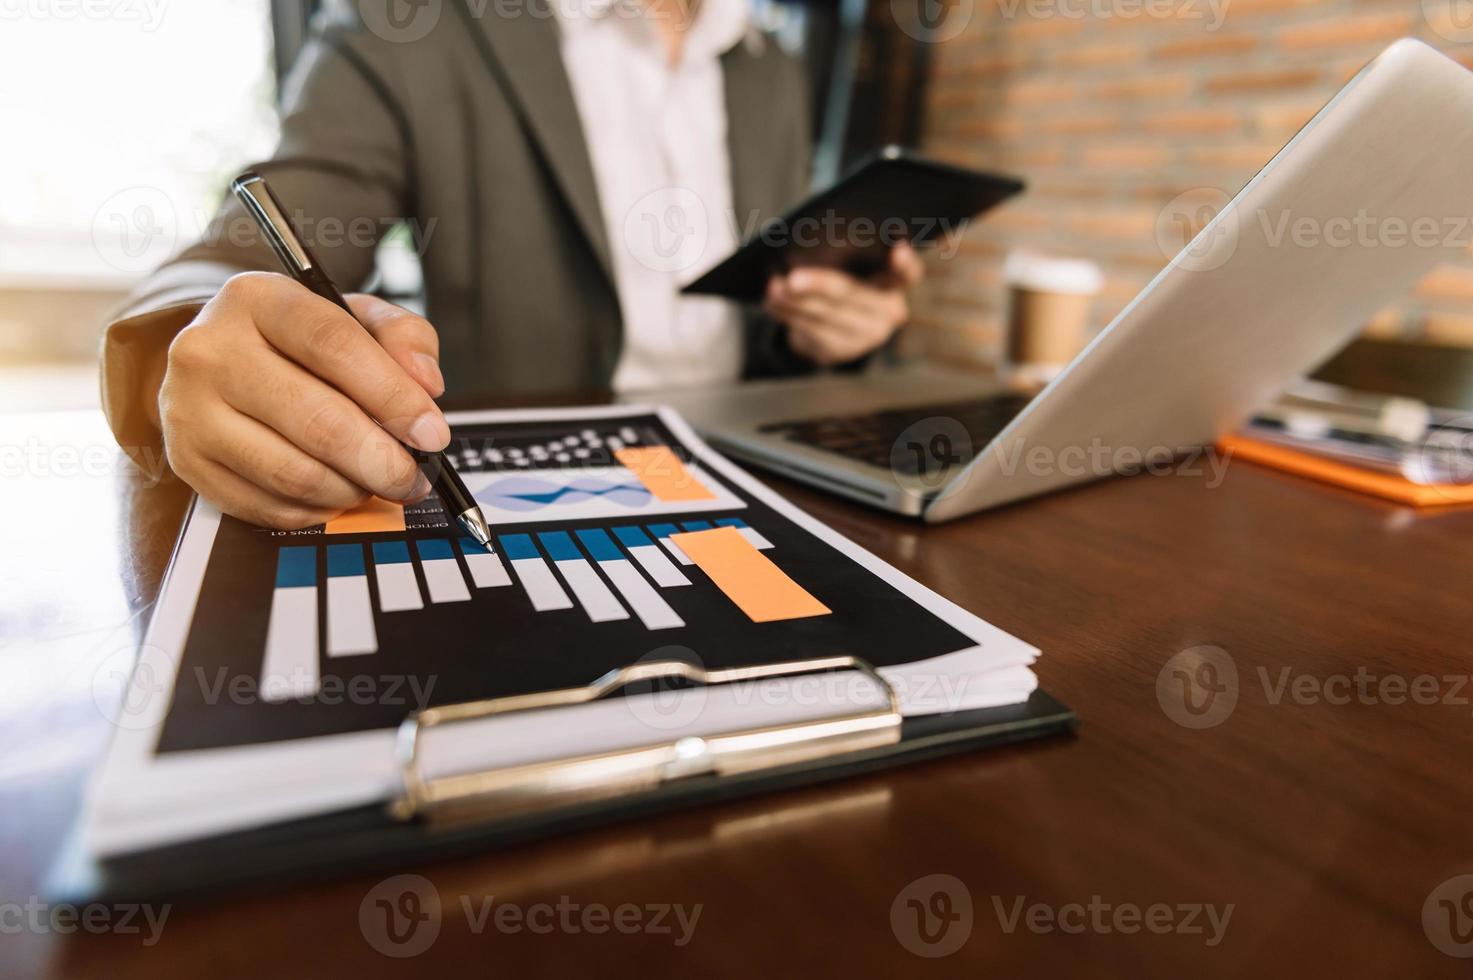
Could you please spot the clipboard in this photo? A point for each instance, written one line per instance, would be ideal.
(453, 816)
(876, 622)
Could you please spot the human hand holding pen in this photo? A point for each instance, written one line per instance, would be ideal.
(270, 396)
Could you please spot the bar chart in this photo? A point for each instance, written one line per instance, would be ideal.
(608, 574)
(628, 475)
(613, 539)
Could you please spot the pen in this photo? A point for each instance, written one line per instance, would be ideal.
(261, 204)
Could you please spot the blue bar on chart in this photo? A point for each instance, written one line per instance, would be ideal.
(747, 531)
(442, 571)
(537, 579)
(289, 669)
(592, 594)
(662, 534)
(686, 526)
(398, 589)
(650, 557)
(652, 610)
(485, 567)
(349, 613)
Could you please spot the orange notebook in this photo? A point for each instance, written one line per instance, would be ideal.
(1341, 474)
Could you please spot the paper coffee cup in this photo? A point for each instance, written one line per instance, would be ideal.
(1048, 311)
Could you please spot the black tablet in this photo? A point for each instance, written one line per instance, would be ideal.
(893, 197)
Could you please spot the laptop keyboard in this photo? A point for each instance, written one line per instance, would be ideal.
(917, 441)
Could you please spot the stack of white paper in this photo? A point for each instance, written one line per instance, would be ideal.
(144, 798)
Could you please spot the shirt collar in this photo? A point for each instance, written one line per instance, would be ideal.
(719, 25)
(575, 14)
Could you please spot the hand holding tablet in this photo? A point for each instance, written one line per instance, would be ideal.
(893, 198)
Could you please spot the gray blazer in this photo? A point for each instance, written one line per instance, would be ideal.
(470, 134)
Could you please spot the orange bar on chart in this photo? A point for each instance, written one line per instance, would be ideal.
(662, 473)
(372, 515)
(747, 576)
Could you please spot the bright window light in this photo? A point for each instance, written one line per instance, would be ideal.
(124, 120)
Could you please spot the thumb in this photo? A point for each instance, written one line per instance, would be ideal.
(905, 265)
(410, 340)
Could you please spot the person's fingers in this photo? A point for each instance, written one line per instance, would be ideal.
(777, 297)
(835, 317)
(188, 454)
(241, 498)
(883, 309)
(243, 456)
(814, 281)
(906, 267)
(410, 339)
(260, 455)
(831, 332)
(838, 334)
(803, 302)
(323, 423)
(777, 289)
(787, 311)
(868, 315)
(812, 328)
(841, 317)
(332, 345)
(840, 291)
(815, 345)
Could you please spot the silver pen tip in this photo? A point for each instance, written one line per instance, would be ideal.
(475, 525)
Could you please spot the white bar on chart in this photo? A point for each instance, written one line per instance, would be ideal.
(398, 590)
(349, 617)
(647, 604)
(747, 531)
(349, 612)
(589, 589)
(485, 568)
(659, 566)
(650, 557)
(758, 541)
(653, 611)
(662, 534)
(442, 571)
(289, 668)
(537, 579)
(592, 594)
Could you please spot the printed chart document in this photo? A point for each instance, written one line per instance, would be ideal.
(279, 664)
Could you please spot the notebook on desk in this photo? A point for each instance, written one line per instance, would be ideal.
(652, 628)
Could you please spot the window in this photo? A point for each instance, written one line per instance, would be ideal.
(124, 120)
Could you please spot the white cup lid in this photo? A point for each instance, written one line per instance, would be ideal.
(1045, 273)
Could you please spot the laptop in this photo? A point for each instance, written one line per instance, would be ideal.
(1366, 198)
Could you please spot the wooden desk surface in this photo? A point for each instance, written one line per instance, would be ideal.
(1324, 827)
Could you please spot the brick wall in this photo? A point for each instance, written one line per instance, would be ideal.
(1110, 117)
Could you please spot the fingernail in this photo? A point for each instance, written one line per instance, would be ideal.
(429, 432)
(429, 374)
(799, 280)
(421, 490)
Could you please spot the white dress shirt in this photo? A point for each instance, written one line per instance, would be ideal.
(656, 136)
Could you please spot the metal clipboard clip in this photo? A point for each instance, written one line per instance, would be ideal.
(548, 785)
